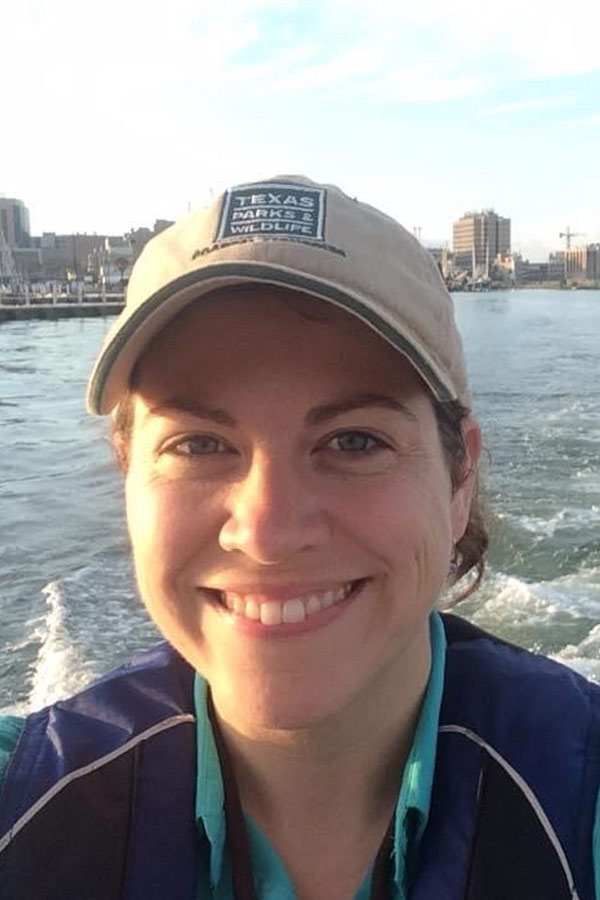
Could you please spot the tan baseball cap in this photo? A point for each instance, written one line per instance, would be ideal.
(294, 233)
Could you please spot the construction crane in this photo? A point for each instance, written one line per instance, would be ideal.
(568, 234)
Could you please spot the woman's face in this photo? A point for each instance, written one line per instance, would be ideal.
(289, 505)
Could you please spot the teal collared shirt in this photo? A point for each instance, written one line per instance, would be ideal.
(412, 808)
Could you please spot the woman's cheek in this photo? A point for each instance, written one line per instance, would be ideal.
(143, 511)
(171, 523)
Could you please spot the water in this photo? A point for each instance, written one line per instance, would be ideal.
(68, 608)
(534, 360)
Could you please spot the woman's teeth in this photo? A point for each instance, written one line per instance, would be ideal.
(275, 612)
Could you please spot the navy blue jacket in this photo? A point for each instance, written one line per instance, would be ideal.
(98, 800)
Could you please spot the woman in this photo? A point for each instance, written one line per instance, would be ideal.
(291, 414)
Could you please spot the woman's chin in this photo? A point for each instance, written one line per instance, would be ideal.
(268, 708)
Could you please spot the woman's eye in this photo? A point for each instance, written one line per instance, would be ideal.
(198, 445)
(355, 442)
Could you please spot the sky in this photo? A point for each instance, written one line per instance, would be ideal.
(116, 113)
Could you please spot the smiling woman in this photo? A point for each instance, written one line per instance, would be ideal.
(313, 452)
(291, 415)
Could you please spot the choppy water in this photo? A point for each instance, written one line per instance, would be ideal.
(67, 601)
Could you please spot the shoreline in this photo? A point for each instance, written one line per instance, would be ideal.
(534, 286)
(23, 312)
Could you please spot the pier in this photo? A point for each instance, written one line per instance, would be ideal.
(15, 309)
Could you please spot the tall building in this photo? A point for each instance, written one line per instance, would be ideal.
(14, 221)
(478, 238)
(582, 262)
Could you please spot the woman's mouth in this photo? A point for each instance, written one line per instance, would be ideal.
(259, 608)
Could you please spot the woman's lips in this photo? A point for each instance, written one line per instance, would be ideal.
(260, 610)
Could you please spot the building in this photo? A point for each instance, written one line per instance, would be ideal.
(162, 225)
(29, 263)
(110, 264)
(14, 221)
(8, 272)
(66, 257)
(556, 266)
(582, 263)
(593, 262)
(507, 269)
(533, 273)
(139, 237)
(477, 239)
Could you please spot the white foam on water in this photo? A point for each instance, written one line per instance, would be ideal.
(571, 410)
(583, 657)
(550, 610)
(576, 595)
(60, 668)
(514, 602)
(589, 668)
(510, 599)
(570, 518)
(537, 525)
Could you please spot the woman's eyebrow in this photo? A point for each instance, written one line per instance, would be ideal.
(200, 410)
(316, 416)
(323, 413)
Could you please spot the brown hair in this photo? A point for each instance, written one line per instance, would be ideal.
(471, 548)
(121, 429)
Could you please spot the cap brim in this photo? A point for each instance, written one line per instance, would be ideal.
(133, 331)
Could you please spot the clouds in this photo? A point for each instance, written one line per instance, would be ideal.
(551, 101)
(124, 110)
(388, 51)
(593, 119)
(446, 48)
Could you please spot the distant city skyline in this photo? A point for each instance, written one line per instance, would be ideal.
(449, 243)
(121, 113)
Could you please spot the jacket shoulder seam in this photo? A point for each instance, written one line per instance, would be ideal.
(528, 793)
(104, 760)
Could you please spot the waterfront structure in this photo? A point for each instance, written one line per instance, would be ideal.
(578, 265)
(14, 221)
(533, 272)
(111, 263)
(139, 237)
(8, 271)
(99, 258)
(582, 263)
(513, 270)
(507, 268)
(66, 256)
(556, 266)
(478, 238)
(442, 257)
(593, 262)
(29, 262)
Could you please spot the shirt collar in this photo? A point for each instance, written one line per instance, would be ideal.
(414, 799)
(210, 795)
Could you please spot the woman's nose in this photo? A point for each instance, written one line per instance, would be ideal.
(273, 513)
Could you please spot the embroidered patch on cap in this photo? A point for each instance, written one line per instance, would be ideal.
(284, 210)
